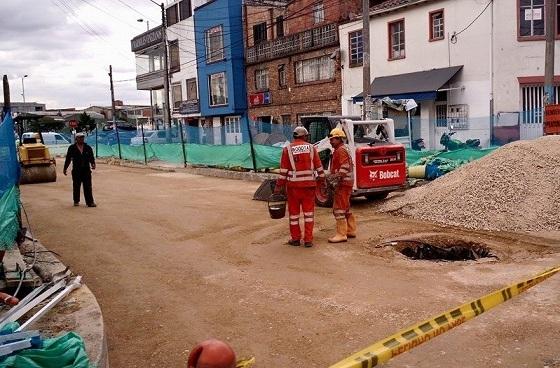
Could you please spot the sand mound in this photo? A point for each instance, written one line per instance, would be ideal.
(515, 188)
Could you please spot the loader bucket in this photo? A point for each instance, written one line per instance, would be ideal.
(266, 189)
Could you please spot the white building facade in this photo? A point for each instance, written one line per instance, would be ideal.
(473, 66)
(183, 87)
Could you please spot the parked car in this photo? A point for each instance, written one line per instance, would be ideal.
(50, 138)
(156, 137)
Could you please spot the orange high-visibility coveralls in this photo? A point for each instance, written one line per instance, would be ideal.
(342, 166)
(300, 166)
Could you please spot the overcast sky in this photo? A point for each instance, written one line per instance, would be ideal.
(65, 47)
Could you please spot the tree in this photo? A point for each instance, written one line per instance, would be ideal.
(86, 122)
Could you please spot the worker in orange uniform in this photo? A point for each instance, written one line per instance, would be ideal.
(300, 169)
(342, 178)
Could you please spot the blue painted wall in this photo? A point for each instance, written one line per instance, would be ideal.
(227, 13)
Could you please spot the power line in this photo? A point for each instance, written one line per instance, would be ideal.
(453, 39)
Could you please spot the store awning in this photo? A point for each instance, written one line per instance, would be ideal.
(420, 86)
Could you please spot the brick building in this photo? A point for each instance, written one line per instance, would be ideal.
(293, 58)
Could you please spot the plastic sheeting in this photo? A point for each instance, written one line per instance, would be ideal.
(66, 351)
(199, 154)
(9, 178)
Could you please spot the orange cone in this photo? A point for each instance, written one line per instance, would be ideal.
(212, 354)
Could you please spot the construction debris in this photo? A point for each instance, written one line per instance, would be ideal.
(515, 188)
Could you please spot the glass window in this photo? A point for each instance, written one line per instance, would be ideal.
(233, 124)
(318, 13)
(261, 79)
(171, 15)
(259, 33)
(282, 76)
(218, 89)
(280, 26)
(177, 95)
(316, 69)
(192, 90)
(175, 61)
(396, 40)
(185, 9)
(531, 14)
(214, 44)
(356, 48)
(437, 29)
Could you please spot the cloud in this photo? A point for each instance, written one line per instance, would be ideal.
(66, 46)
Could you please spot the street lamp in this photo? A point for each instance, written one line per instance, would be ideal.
(23, 88)
(147, 23)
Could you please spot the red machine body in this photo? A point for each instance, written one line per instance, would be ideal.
(380, 166)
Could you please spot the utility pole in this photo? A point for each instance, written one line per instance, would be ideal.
(549, 53)
(366, 63)
(167, 110)
(115, 126)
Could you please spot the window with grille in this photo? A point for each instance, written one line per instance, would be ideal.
(396, 40)
(441, 115)
(176, 95)
(286, 119)
(259, 33)
(171, 15)
(318, 13)
(532, 103)
(437, 28)
(316, 69)
(282, 82)
(458, 117)
(531, 18)
(214, 44)
(174, 59)
(261, 79)
(356, 48)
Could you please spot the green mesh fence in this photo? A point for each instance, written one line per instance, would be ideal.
(199, 154)
(9, 208)
(467, 154)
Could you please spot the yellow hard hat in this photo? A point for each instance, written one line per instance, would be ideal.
(337, 133)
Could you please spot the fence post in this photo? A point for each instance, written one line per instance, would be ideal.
(96, 144)
(144, 144)
(251, 143)
(182, 143)
(118, 141)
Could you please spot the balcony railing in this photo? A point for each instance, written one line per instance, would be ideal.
(311, 39)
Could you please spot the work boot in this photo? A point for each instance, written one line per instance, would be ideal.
(92, 205)
(351, 224)
(76, 204)
(308, 244)
(341, 231)
(294, 242)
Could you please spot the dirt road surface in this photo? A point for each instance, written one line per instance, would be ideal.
(175, 258)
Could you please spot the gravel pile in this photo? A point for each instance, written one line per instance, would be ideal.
(515, 188)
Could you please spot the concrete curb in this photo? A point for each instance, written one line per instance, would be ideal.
(203, 171)
(79, 312)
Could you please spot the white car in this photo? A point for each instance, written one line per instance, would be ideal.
(50, 138)
(154, 136)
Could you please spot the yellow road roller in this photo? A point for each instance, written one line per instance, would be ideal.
(37, 164)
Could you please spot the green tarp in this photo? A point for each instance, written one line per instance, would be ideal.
(66, 351)
(199, 154)
(228, 156)
(9, 207)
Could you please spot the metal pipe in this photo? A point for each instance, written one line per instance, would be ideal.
(75, 284)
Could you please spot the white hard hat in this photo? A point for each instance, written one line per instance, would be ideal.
(78, 135)
(300, 132)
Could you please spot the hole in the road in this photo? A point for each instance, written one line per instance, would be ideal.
(442, 248)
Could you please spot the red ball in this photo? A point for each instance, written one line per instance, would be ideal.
(212, 354)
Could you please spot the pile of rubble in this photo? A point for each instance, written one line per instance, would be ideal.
(515, 188)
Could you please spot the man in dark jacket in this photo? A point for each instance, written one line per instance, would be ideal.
(81, 155)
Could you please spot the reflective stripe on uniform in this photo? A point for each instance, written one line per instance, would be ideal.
(294, 217)
(300, 173)
(294, 222)
(303, 178)
(308, 219)
(308, 214)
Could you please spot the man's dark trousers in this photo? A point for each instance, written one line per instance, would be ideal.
(80, 177)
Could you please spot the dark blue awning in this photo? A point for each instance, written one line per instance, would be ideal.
(420, 86)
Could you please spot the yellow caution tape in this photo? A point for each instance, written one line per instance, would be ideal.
(245, 363)
(409, 338)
